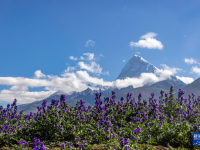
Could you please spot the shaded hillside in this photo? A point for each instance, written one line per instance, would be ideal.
(70, 99)
(194, 87)
(166, 84)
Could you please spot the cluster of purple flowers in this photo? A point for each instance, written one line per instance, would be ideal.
(123, 142)
(37, 145)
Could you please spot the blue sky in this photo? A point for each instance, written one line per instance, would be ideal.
(46, 46)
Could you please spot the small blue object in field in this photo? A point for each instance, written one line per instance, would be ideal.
(196, 139)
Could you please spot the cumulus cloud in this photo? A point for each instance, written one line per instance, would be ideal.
(19, 88)
(93, 67)
(81, 58)
(186, 80)
(65, 74)
(39, 74)
(84, 76)
(73, 58)
(147, 41)
(90, 55)
(136, 82)
(149, 35)
(191, 61)
(171, 70)
(21, 81)
(196, 70)
(89, 43)
(73, 79)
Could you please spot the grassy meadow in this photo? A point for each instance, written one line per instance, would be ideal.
(124, 125)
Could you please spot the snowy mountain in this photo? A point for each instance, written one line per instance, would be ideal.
(137, 65)
(176, 80)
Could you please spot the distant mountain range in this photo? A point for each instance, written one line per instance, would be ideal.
(134, 67)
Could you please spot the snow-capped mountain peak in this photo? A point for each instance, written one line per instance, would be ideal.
(139, 57)
(135, 67)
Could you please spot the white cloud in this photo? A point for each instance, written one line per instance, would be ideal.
(149, 35)
(23, 96)
(90, 55)
(190, 61)
(168, 71)
(172, 70)
(148, 42)
(84, 76)
(67, 71)
(136, 82)
(89, 43)
(21, 81)
(123, 60)
(195, 70)
(19, 88)
(81, 58)
(74, 80)
(73, 58)
(94, 68)
(186, 80)
(39, 74)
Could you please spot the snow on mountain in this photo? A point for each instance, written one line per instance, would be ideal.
(134, 68)
(104, 88)
(137, 65)
(176, 80)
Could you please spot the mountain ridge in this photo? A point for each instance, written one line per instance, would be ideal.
(88, 95)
